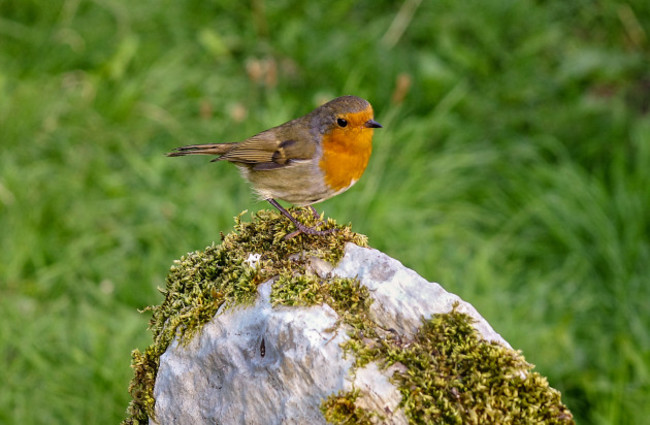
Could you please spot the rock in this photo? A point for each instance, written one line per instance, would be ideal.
(224, 375)
(365, 341)
(401, 296)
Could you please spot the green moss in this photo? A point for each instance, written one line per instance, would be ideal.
(144, 366)
(445, 373)
(452, 376)
(340, 409)
(346, 296)
(200, 283)
(297, 290)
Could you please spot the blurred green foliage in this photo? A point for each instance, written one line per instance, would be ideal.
(513, 168)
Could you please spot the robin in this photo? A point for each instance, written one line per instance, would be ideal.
(306, 160)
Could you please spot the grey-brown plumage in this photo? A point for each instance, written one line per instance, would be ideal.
(306, 160)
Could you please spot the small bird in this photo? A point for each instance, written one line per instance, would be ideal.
(306, 160)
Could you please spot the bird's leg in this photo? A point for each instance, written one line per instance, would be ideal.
(315, 214)
(301, 227)
(313, 211)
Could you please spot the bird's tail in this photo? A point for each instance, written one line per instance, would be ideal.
(208, 149)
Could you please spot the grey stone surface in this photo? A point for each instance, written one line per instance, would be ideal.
(401, 296)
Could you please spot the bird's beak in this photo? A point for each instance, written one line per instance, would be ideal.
(372, 124)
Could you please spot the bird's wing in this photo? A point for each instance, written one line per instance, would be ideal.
(271, 149)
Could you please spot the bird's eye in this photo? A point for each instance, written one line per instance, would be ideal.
(341, 122)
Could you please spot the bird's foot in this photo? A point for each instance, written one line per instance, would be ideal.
(301, 228)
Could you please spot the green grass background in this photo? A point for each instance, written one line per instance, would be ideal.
(514, 169)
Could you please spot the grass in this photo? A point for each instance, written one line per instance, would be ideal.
(512, 169)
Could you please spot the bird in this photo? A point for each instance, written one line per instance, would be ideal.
(303, 161)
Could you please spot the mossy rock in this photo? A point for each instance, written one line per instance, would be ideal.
(445, 374)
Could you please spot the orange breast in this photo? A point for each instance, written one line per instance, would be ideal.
(346, 152)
